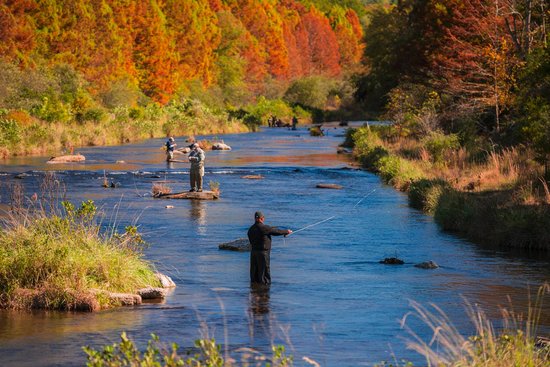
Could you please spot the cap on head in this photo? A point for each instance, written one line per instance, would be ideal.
(194, 145)
(171, 139)
(258, 215)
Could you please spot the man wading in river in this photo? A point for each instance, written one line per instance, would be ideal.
(259, 236)
(196, 157)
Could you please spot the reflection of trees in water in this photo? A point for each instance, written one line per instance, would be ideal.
(198, 213)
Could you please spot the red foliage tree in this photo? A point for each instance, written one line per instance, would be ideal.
(16, 30)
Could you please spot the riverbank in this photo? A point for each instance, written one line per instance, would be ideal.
(498, 199)
(22, 134)
(60, 259)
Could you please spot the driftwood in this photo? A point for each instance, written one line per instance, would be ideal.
(329, 186)
(253, 177)
(241, 244)
(71, 158)
(203, 195)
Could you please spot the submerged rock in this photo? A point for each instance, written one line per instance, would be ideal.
(427, 265)
(328, 186)
(70, 158)
(392, 261)
(241, 244)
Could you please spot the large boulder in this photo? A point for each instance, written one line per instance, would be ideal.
(241, 244)
(220, 146)
(70, 158)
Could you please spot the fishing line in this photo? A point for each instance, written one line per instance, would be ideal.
(332, 217)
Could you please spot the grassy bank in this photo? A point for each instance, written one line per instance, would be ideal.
(24, 134)
(497, 198)
(60, 259)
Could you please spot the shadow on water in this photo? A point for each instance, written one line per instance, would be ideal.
(327, 280)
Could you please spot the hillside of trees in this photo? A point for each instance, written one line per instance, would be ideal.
(479, 69)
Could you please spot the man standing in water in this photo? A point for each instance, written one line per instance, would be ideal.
(196, 157)
(170, 146)
(259, 235)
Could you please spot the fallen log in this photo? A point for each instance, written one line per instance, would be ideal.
(253, 177)
(203, 195)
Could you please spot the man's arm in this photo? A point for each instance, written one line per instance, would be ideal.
(277, 232)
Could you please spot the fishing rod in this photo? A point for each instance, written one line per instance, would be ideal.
(332, 217)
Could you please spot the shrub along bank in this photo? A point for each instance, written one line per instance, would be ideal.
(63, 261)
(499, 198)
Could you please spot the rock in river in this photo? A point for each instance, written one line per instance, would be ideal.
(392, 261)
(241, 244)
(220, 146)
(427, 265)
(329, 186)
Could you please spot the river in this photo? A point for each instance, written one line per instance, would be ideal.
(331, 300)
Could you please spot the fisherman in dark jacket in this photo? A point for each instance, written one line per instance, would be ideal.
(259, 235)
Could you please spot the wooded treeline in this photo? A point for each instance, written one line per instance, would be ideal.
(165, 47)
(476, 68)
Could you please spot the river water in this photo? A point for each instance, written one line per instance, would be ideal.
(330, 299)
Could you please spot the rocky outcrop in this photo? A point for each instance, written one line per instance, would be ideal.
(241, 244)
(71, 158)
(220, 146)
(427, 265)
(328, 186)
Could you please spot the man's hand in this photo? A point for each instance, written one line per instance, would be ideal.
(288, 232)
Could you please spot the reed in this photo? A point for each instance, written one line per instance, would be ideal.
(513, 345)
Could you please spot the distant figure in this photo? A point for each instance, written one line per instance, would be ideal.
(259, 235)
(294, 122)
(170, 147)
(196, 157)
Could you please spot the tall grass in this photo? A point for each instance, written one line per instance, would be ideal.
(208, 354)
(513, 345)
(61, 255)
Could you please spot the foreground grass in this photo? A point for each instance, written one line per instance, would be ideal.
(514, 344)
(499, 199)
(62, 260)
